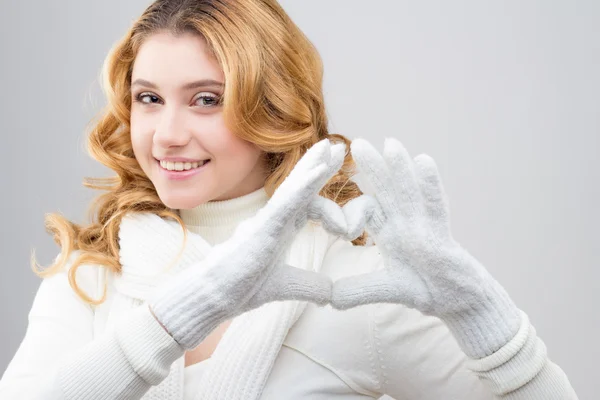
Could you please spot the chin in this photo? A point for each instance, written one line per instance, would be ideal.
(179, 202)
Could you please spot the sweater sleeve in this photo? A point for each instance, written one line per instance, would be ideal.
(420, 359)
(59, 358)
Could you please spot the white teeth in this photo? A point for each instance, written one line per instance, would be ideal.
(181, 166)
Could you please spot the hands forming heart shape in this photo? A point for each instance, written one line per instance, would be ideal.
(408, 217)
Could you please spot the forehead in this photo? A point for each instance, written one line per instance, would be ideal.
(165, 57)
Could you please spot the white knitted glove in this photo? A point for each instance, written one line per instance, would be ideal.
(424, 267)
(248, 270)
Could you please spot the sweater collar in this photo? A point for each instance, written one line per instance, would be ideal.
(215, 221)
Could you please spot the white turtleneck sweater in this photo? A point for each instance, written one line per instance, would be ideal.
(357, 354)
(215, 221)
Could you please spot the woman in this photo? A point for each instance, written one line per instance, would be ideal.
(232, 197)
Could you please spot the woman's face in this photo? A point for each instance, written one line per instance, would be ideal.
(176, 115)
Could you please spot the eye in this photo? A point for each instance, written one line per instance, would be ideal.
(146, 95)
(209, 100)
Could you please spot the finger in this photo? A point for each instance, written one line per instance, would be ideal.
(403, 169)
(290, 283)
(307, 177)
(372, 164)
(338, 154)
(357, 212)
(320, 208)
(315, 156)
(381, 286)
(434, 196)
(334, 163)
(305, 181)
(329, 213)
(284, 209)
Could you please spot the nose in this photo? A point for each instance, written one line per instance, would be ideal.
(171, 130)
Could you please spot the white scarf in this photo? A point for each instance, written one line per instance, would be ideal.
(242, 362)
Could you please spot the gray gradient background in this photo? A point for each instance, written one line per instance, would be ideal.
(503, 95)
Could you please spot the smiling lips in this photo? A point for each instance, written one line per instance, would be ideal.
(181, 166)
(187, 169)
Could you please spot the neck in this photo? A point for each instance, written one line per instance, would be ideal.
(215, 221)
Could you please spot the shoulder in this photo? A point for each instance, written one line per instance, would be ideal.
(58, 287)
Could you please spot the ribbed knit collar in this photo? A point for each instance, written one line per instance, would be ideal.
(215, 221)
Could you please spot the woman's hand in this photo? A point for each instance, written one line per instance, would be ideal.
(248, 270)
(424, 267)
(256, 251)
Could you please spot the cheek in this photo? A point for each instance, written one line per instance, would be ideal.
(237, 152)
(137, 144)
(141, 142)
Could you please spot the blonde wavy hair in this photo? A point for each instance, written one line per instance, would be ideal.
(272, 98)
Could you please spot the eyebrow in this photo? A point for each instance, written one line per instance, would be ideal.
(187, 86)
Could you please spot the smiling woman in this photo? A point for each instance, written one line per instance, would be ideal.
(228, 256)
(177, 112)
(200, 80)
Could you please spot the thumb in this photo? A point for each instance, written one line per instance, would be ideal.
(290, 283)
(381, 286)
